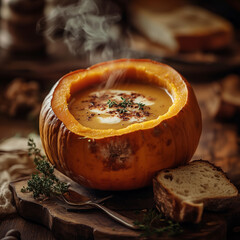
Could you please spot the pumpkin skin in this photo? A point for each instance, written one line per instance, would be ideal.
(126, 158)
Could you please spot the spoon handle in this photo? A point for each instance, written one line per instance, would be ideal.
(116, 216)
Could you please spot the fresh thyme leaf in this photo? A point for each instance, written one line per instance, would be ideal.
(44, 183)
(123, 103)
(140, 106)
(154, 223)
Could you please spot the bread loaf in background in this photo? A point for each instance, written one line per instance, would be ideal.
(179, 26)
(183, 193)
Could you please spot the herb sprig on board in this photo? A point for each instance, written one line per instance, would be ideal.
(122, 106)
(154, 223)
(44, 183)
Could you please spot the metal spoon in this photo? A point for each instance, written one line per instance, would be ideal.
(73, 198)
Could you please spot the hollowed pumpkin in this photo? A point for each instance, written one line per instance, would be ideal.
(125, 158)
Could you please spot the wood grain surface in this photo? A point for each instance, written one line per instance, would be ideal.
(219, 142)
(93, 224)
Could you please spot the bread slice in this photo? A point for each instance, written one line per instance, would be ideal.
(181, 28)
(182, 193)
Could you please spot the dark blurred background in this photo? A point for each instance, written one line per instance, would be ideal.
(42, 40)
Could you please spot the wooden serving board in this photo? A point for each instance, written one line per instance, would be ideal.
(93, 224)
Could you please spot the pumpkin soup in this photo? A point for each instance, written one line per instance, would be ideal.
(120, 106)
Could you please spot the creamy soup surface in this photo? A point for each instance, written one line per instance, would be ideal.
(120, 106)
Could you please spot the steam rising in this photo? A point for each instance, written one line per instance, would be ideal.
(114, 79)
(88, 27)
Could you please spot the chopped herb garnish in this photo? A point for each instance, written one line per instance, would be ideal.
(111, 103)
(122, 106)
(125, 103)
(154, 223)
(44, 183)
(121, 110)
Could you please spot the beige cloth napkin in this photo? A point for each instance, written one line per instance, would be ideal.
(14, 163)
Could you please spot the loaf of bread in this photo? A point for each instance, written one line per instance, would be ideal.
(182, 193)
(180, 27)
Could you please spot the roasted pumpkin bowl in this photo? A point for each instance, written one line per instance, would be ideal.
(126, 158)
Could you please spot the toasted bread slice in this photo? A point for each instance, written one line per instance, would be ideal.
(182, 193)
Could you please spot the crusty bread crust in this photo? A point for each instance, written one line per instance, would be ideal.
(175, 208)
(180, 210)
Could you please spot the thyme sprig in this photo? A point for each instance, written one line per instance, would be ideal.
(154, 223)
(125, 103)
(122, 106)
(111, 103)
(44, 183)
